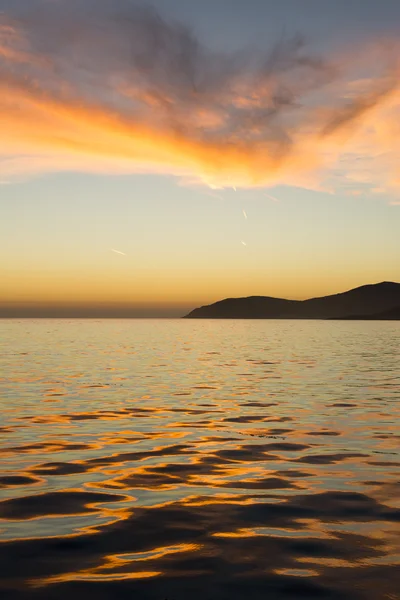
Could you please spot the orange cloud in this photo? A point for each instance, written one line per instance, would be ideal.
(126, 92)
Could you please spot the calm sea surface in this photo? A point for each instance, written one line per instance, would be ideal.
(188, 460)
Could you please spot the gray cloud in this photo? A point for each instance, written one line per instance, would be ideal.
(138, 67)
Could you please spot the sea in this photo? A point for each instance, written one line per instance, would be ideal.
(170, 459)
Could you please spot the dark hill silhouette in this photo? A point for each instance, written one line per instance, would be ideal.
(364, 300)
(392, 314)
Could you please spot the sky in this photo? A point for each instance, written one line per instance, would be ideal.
(159, 156)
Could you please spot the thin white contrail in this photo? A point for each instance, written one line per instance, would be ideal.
(214, 195)
(117, 251)
(271, 197)
(244, 214)
(244, 243)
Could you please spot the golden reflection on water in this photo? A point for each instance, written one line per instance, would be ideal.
(246, 457)
(93, 576)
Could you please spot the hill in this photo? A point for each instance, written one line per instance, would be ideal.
(372, 299)
(393, 314)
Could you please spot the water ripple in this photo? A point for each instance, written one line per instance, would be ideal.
(206, 460)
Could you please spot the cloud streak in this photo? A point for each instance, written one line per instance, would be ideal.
(107, 87)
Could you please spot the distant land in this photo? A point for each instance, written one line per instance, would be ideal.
(380, 301)
(393, 314)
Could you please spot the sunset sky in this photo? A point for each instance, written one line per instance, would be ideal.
(159, 156)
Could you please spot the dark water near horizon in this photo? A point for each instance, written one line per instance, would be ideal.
(175, 459)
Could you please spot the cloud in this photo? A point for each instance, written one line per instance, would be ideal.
(109, 87)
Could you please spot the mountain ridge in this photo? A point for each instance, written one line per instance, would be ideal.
(367, 299)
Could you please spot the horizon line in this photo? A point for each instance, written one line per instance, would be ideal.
(46, 310)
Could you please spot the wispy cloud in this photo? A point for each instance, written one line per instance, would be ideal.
(106, 87)
(117, 251)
